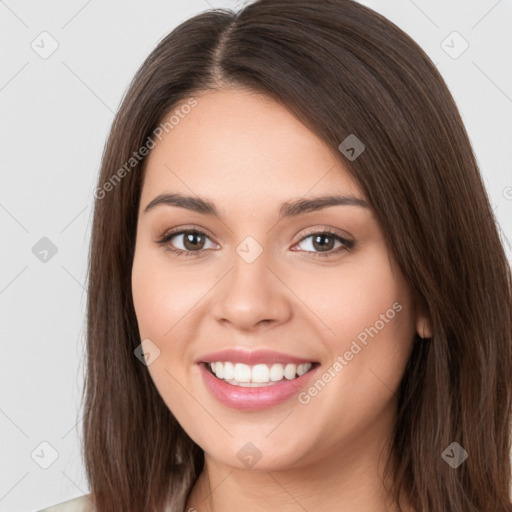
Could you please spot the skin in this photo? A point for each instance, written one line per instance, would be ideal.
(247, 154)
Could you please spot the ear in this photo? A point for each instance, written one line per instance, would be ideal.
(423, 326)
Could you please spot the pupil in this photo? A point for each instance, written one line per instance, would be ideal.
(189, 239)
(322, 244)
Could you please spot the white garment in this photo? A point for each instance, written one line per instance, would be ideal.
(80, 504)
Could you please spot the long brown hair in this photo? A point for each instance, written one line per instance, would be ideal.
(341, 69)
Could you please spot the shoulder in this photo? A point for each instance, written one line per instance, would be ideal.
(80, 504)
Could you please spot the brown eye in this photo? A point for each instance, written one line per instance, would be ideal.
(193, 240)
(187, 241)
(323, 243)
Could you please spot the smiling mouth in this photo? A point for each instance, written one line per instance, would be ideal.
(258, 375)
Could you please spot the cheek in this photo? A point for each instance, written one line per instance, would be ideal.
(147, 299)
(159, 306)
(160, 301)
(350, 299)
(163, 293)
(368, 326)
(167, 299)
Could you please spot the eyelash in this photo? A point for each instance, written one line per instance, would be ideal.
(347, 244)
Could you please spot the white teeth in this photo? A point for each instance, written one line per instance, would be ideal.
(240, 374)
(229, 371)
(290, 370)
(276, 372)
(219, 370)
(260, 373)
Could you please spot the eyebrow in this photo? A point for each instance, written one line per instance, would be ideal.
(287, 209)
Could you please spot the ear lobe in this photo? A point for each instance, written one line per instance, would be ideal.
(423, 327)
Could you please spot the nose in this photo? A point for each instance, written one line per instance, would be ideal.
(252, 296)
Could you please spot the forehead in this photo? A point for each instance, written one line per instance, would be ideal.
(243, 146)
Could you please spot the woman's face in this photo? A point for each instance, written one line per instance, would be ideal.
(271, 286)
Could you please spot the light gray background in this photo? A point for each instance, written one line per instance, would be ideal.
(56, 113)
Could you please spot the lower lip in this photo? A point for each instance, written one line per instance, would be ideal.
(239, 397)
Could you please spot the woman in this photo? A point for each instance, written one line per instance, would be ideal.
(298, 297)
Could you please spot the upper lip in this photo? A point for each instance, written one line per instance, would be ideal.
(251, 357)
